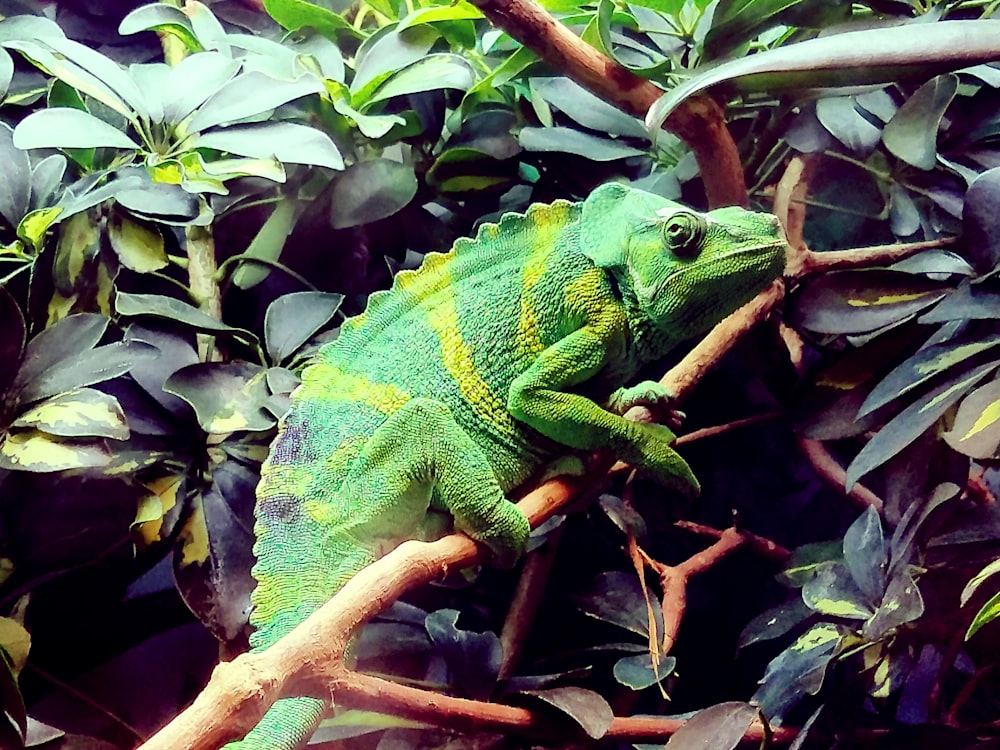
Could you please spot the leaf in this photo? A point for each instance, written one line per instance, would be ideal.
(250, 94)
(293, 318)
(987, 614)
(138, 245)
(981, 219)
(226, 397)
(472, 658)
(901, 604)
(567, 140)
(267, 245)
(170, 308)
(636, 672)
(865, 554)
(64, 127)
(853, 58)
(71, 336)
(616, 597)
(161, 17)
(799, 670)
(585, 707)
(833, 591)
(86, 368)
(285, 141)
(967, 302)
(193, 80)
(586, 108)
(12, 338)
(296, 14)
(371, 190)
(976, 429)
(461, 171)
(385, 53)
(862, 301)
(15, 178)
(104, 69)
(11, 700)
(839, 115)
(774, 622)
(84, 412)
(6, 72)
(978, 580)
(433, 72)
(912, 132)
(925, 364)
(910, 423)
(38, 452)
(719, 727)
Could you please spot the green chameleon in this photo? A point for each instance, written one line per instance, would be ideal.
(474, 372)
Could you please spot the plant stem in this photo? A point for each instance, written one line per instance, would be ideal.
(204, 288)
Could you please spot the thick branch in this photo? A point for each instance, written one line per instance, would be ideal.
(699, 122)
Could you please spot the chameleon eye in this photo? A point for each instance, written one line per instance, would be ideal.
(683, 233)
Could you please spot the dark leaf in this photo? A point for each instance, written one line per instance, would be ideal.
(719, 727)
(926, 364)
(293, 318)
(967, 302)
(226, 396)
(865, 554)
(169, 308)
(587, 109)
(11, 700)
(862, 301)
(569, 141)
(266, 245)
(832, 591)
(807, 559)
(902, 603)
(840, 116)
(585, 707)
(774, 622)
(912, 132)
(12, 338)
(616, 597)
(473, 658)
(910, 423)
(976, 429)
(371, 190)
(15, 178)
(981, 219)
(71, 336)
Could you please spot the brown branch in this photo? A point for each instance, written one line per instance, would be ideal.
(830, 471)
(699, 121)
(809, 262)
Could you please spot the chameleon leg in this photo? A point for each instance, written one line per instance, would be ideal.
(429, 452)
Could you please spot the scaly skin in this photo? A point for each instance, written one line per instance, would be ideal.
(472, 373)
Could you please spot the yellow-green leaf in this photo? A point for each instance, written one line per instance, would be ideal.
(36, 451)
(85, 412)
(16, 641)
(139, 245)
(976, 432)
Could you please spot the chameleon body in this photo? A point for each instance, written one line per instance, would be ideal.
(471, 374)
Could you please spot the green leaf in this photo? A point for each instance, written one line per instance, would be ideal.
(569, 141)
(862, 301)
(292, 319)
(833, 591)
(840, 116)
(976, 429)
(457, 11)
(296, 14)
(250, 94)
(901, 604)
(267, 244)
(865, 554)
(84, 412)
(719, 727)
(735, 22)
(385, 53)
(226, 396)
(461, 171)
(193, 80)
(912, 132)
(161, 17)
(105, 69)
(86, 368)
(774, 622)
(978, 580)
(15, 178)
(643, 61)
(989, 612)
(636, 672)
(285, 141)
(853, 58)
(371, 190)
(433, 72)
(585, 707)
(39, 452)
(6, 72)
(63, 127)
(170, 308)
(586, 108)
(139, 245)
(910, 423)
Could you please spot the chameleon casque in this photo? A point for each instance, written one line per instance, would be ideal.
(475, 371)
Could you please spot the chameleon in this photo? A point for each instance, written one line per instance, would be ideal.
(474, 372)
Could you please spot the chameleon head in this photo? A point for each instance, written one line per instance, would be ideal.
(684, 269)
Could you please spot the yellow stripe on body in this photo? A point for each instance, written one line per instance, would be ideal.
(322, 379)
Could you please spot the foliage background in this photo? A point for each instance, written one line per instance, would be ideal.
(186, 217)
